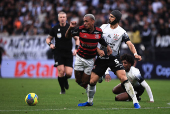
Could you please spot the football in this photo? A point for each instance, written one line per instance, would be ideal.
(31, 99)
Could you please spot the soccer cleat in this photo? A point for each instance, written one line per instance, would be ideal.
(85, 104)
(136, 105)
(62, 92)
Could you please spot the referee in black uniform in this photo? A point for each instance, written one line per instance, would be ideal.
(62, 49)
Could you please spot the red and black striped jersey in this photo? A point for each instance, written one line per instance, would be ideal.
(88, 41)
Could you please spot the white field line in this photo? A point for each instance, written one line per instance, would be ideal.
(86, 109)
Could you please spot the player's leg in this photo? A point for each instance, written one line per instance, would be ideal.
(61, 78)
(68, 74)
(68, 68)
(79, 71)
(128, 86)
(90, 90)
(118, 89)
(92, 86)
(122, 97)
(59, 63)
(98, 70)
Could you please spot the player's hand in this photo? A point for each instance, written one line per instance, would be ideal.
(138, 57)
(73, 24)
(107, 78)
(109, 50)
(100, 52)
(52, 46)
(75, 52)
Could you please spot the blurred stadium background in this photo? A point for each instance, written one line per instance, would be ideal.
(25, 24)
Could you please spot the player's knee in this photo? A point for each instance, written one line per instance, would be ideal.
(92, 82)
(69, 74)
(114, 91)
(84, 85)
(61, 72)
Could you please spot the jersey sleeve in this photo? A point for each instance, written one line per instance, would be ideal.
(52, 33)
(137, 75)
(148, 89)
(125, 37)
(75, 32)
(102, 41)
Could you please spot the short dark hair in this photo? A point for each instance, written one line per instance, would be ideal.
(128, 58)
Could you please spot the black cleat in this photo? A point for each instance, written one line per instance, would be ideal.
(62, 92)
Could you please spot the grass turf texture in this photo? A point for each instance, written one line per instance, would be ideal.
(13, 92)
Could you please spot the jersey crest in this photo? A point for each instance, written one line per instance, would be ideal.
(59, 35)
(116, 37)
(97, 36)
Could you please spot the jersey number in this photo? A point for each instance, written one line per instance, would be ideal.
(116, 61)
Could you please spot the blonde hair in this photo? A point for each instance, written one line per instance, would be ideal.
(62, 13)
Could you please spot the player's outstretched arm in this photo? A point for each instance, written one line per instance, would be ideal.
(133, 50)
(148, 89)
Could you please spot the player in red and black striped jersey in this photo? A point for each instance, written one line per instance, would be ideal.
(89, 36)
(88, 41)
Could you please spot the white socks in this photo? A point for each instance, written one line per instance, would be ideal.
(130, 91)
(91, 90)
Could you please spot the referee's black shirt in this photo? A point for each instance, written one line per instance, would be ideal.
(61, 42)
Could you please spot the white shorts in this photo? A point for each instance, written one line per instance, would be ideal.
(85, 65)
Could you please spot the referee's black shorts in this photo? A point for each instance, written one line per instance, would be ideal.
(101, 65)
(63, 58)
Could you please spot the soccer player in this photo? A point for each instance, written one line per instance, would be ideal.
(62, 49)
(134, 76)
(113, 35)
(89, 36)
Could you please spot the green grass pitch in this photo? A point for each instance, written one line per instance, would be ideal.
(13, 92)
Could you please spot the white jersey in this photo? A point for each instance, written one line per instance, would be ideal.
(113, 37)
(134, 76)
(136, 80)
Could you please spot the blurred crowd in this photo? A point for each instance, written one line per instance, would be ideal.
(143, 19)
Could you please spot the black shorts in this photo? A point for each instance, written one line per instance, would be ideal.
(101, 65)
(63, 58)
(140, 89)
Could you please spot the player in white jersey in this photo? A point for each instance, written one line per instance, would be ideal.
(134, 76)
(114, 35)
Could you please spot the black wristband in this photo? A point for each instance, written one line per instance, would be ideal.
(77, 46)
(49, 43)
